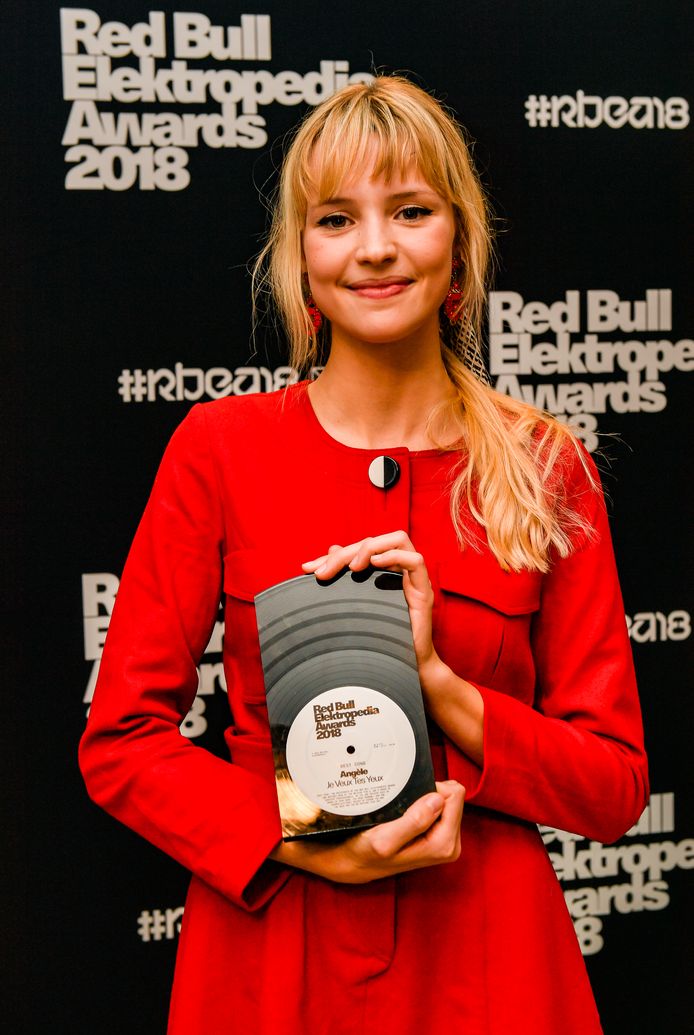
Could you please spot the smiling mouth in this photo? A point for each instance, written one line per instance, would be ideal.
(376, 289)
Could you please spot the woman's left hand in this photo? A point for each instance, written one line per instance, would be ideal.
(393, 551)
(453, 703)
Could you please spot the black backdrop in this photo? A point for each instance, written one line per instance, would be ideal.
(123, 295)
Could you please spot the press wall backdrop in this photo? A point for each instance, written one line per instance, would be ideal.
(138, 143)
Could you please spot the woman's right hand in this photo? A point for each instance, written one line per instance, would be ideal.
(427, 834)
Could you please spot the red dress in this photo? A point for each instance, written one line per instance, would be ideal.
(248, 488)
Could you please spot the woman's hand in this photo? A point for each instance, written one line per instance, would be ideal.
(454, 704)
(427, 834)
(395, 552)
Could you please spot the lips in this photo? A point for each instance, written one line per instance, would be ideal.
(384, 287)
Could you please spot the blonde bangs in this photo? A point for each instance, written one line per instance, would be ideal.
(360, 135)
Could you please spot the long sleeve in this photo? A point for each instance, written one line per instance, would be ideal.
(574, 759)
(217, 819)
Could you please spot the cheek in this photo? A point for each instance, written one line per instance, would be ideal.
(322, 264)
(440, 280)
(444, 283)
(438, 259)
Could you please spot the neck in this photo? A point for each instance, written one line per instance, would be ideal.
(376, 397)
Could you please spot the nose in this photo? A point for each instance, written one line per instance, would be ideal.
(376, 242)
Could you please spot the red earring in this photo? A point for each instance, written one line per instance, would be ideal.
(314, 313)
(451, 303)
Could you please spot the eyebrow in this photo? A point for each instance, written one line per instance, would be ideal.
(400, 196)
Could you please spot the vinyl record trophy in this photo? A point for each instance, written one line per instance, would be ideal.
(347, 719)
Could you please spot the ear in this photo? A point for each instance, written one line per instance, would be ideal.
(459, 236)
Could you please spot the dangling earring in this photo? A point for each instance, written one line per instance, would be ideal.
(314, 313)
(463, 339)
(451, 303)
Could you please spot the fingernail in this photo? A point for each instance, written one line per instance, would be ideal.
(321, 569)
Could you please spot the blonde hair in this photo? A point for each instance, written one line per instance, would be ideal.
(510, 452)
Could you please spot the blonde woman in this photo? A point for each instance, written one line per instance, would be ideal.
(399, 455)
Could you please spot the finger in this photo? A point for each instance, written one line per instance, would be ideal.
(377, 544)
(446, 788)
(453, 794)
(444, 837)
(387, 839)
(318, 562)
(353, 556)
(408, 559)
(356, 556)
(441, 843)
(334, 560)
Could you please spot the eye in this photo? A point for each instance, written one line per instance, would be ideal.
(413, 213)
(336, 221)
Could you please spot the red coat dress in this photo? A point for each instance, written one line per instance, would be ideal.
(248, 488)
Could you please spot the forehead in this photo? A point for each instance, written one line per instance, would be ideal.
(366, 173)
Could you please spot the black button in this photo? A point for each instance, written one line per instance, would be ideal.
(384, 472)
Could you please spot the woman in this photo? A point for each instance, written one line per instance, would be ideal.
(377, 258)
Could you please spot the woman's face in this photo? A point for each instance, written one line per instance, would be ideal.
(378, 258)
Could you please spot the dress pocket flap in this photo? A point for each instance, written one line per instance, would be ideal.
(479, 577)
(249, 572)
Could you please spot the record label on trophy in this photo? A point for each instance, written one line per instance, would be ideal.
(351, 750)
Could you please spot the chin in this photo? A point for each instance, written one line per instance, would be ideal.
(384, 332)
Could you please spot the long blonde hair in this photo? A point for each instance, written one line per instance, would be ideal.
(511, 455)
